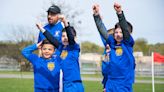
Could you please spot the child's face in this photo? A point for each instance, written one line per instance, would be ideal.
(118, 36)
(64, 38)
(47, 50)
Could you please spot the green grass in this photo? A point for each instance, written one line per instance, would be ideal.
(141, 87)
(16, 85)
(26, 85)
(83, 75)
(149, 78)
(92, 75)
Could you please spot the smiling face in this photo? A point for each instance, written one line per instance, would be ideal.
(47, 50)
(118, 36)
(52, 18)
(64, 38)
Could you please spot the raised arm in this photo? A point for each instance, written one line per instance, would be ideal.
(122, 21)
(69, 30)
(48, 35)
(27, 52)
(100, 26)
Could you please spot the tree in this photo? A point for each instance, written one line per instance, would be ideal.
(12, 50)
(141, 45)
(88, 47)
(21, 38)
(24, 35)
(159, 47)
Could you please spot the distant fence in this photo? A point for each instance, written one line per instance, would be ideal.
(7, 64)
(88, 67)
(145, 69)
(9, 67)
(142, 69)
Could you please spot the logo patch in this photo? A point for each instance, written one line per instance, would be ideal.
(51, 66)
(64, 54)
(57, 33)
(119, 51)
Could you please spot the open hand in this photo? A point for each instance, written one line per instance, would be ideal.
(39, 44)
(39, 26)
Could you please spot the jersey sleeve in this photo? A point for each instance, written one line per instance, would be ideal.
(105, 67)
(40, 37)
(130, 42)
(124, 26)
(27, 52)
(111, 41)
(69, 31)
(100, 26)
(51, 39)
(103, 41)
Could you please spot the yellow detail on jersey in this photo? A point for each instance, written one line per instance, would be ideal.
(119, 51)
(64, 54)
(51, 66)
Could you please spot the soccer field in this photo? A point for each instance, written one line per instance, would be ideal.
(26, 85)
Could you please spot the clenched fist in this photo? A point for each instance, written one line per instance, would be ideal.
(96, 9)
(117, 7)
(63, 19)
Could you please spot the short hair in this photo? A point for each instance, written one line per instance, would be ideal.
(130, 27)
(45, 41)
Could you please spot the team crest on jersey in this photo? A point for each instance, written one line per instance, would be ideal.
(119, 51)
(64, 54)
(57, 33)
(51, 66)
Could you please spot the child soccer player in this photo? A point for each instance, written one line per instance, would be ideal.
(121, 65)
(105, 59)
(46, 68)
(69, 50)
(104, 66)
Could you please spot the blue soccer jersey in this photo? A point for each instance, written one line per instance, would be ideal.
(70, 67)
(70, 62)
(105, 62)
(69, 55)
(122, 62)
(121, 66)
(55, 30)
(46, 71)
(105, 68)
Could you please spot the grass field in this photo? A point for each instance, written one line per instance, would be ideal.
(26, 85)
(83, 75)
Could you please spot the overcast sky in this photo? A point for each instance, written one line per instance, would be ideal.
(145, 15)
